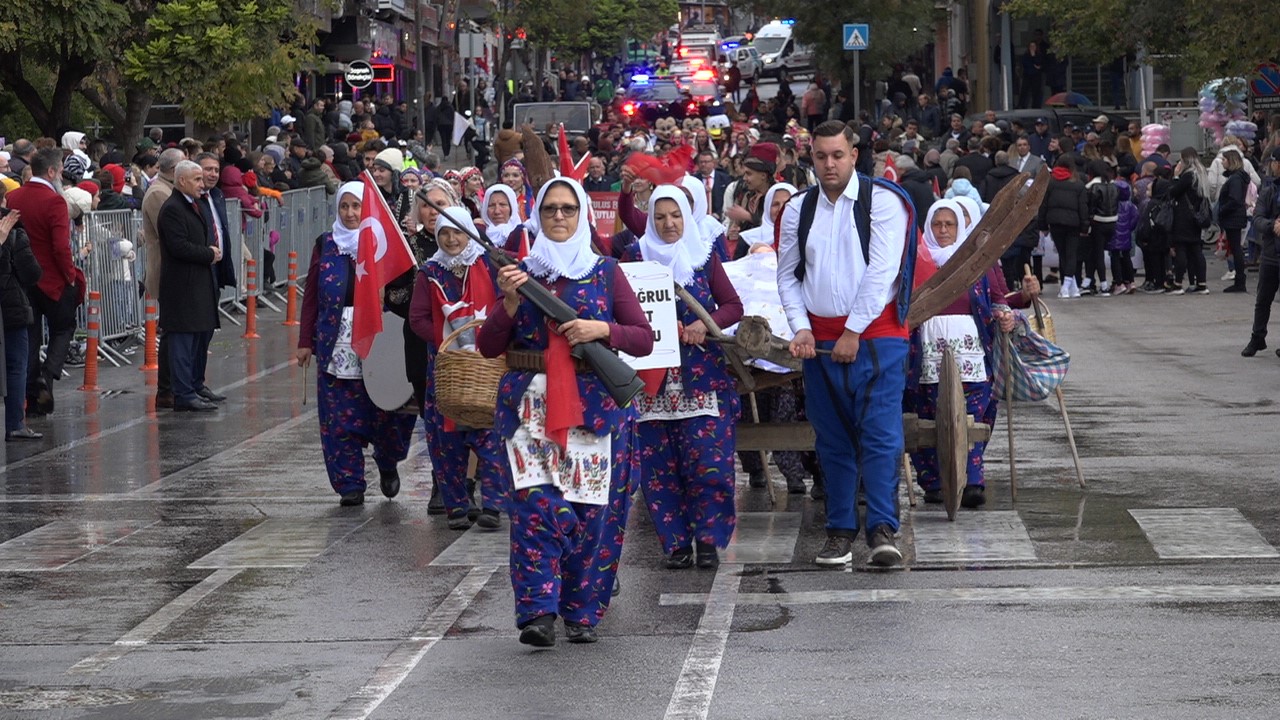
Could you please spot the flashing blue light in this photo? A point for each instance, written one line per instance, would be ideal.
(730, 45)
(639, 79)
(789, 21)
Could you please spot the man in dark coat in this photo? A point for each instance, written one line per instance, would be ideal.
(918, 185)
(214, 199)
(188, 287)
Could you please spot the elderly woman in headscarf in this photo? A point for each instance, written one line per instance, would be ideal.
(500, 214)
(349, 420)
(686, 432)
(967, 326)
(774, 200)
(568, 441)
(454, 287)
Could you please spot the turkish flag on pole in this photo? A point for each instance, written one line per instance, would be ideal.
(382, 256)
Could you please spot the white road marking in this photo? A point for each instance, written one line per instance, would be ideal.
(691, 699)
(1201, 533)
(406, 656)
(145, 631)
(1121, 593)
(59, 543)
(95, 437)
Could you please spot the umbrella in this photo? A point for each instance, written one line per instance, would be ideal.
(1068, 99)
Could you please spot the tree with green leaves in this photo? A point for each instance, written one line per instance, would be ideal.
(1201, 41)
(222, 60)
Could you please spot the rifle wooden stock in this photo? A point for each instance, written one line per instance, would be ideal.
(619, 378)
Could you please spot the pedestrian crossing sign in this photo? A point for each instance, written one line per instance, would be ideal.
(856, 36)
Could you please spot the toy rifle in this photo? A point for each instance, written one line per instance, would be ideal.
(619, 378)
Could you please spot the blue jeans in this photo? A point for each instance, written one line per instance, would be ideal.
(867, 393)
(16, 347)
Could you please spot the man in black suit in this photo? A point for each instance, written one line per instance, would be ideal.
(979, 159)
(189, 287)
(718, 181)
(596, 180)
(213, 198)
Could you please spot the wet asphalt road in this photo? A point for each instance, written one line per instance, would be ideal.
(184, 566)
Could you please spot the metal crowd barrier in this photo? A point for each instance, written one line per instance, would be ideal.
(118, 273)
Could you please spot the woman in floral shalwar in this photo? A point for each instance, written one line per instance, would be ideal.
(568, 442)
(968, 327)
(349, 420)
(686, 432)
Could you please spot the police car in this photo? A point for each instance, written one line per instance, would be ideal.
(649, 98)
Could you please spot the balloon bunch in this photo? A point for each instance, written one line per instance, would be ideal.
(1153, 136)
(1222, 102)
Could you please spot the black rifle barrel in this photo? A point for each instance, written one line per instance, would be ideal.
(619, 378)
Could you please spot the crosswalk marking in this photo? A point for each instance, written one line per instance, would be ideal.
(992, 536)
(62, 542)
(762, 537)
(1201, 533)
(281, 543)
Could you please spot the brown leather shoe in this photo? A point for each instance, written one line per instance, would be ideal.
(164, 400)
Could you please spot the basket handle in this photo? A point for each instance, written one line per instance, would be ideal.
(444, 344)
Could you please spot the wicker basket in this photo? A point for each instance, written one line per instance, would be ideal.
(1043, 325)
(467, 383)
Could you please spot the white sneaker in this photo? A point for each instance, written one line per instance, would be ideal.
(1230, 275)
(1104, 289)
(1075, 289)
(1064, 291)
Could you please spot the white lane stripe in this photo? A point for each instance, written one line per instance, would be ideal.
(95, 437)
(406, 656)
(145, 631)
(691, 699)
(218, 458)
(1122, 593)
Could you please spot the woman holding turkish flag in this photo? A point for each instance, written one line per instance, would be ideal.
(568, 443)
(349, 420)
(454, 287)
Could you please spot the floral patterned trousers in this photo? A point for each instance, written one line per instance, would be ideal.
(978, 403)
(349, 421)
(564, 555)
(688, 478)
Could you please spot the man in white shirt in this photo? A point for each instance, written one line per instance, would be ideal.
(841, 295)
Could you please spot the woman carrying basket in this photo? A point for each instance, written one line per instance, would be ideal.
(568, 442)
(686, 432)
(454, 287)
(349, 420)
(968, 327)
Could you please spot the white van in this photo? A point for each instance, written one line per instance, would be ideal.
(780, 52)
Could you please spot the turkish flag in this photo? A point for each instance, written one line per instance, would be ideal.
(382, 256)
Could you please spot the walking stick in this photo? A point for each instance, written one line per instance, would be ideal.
(1071, 438)
(1008, 413)
(304, 385)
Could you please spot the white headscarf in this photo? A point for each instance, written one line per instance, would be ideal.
(470, 253)
(498, 233)
(941, 254)
(71, 140)
(683, 256)
(574, 258)
(975, 210)
(763, 235)
(348, 241)
(707, 224)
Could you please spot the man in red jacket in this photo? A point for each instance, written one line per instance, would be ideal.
(61, 286)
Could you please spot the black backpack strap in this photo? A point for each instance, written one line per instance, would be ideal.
(808, 206)
(861, 219)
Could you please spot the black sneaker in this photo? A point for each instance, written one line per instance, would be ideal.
(819, 489)
(1235, 289)
(974, 496)
(473, 510)
(579, 634)
(1198, 290)
(489, 519)
(708, 558)
(435, 506)
(459, 521)
(390, 482)
(838, 550)
(539, 632)
(352, 499)
(795, 486)
(756, 479)
(1151, 288)
(933, 497)
(1255, 344)
(884, 550)
(680, 559)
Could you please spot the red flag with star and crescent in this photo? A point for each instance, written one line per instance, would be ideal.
(382, 255)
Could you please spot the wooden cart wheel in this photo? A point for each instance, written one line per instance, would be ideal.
(952, 434)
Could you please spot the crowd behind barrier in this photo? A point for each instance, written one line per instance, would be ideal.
(110, 252)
